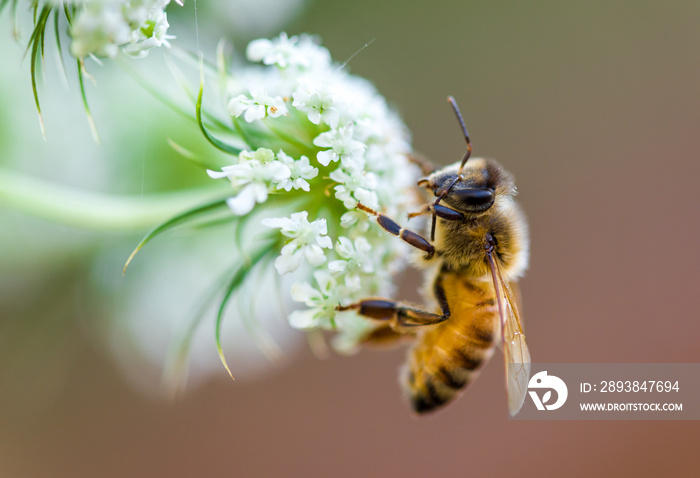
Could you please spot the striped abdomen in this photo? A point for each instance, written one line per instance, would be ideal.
(448, 356)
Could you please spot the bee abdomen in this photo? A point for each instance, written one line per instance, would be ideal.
(449, 355)
(435, 390)
(430, 387)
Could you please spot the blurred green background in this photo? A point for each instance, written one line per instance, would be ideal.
(593, 106)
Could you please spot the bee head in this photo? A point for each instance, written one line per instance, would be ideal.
(476, 191)
(467, 186)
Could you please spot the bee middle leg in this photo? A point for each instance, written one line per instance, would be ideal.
(425, 165)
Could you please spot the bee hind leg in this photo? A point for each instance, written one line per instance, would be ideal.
(401, 315)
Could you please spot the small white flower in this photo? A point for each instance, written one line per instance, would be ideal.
(259, 105)
(355, 260)
(316, 99)
(253, 179)
(98, 30)
(273, 52)
(308, 239)
(101, 28)
(355, 219)
(283, 51)
(311, 55)
(151, 33)
(301, 171)
(355, 186)
(245, 200)
(343, 148)
(322, 302)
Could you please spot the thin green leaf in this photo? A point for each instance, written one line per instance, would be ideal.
(175, 221)
(180, 79)
(36, 44)
(81, 74)
(174, 374)
(15, 24)
(69, 11)
(157, 93)
(3, 4)
(221, 63)
(191, 156)
(215, 222)
(42, 41)
(262, 339)
(238, 277)
(39, 25)
(57, 33)
(226, 148)
(32, 70)
(240, 237)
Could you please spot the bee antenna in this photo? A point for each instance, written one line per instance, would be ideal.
(458, 113)
(447, 190)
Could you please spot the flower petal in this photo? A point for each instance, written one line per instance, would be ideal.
(303, 319)
(325, 157)
(303, 292)
(243, 203)
(257, 49)
(337, 267)
(324, 241)
(286, 263)
(314, 255)
(278, 222)
(254, 112)
(217, 174)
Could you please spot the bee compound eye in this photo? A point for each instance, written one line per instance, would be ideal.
(474, 198)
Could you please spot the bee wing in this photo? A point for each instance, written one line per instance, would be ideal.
(515, 351)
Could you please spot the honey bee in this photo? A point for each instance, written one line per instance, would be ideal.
(477, 251)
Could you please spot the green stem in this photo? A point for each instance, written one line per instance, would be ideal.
(92, 210)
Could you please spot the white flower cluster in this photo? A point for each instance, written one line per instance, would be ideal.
(259, 172)
(349, 146)
(101, 27)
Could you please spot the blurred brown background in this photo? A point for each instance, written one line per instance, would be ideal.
(595, 107)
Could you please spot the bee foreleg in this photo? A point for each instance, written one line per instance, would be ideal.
(440, 211)
(445, 212)
(408, 236)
